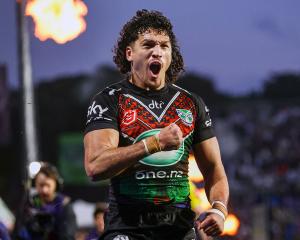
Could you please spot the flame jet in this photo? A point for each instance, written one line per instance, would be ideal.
(60, 20)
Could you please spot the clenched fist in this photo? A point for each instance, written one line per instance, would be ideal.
(170, 138)
(211, 224)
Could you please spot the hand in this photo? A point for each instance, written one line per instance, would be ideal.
(170, 137)
(212, 224)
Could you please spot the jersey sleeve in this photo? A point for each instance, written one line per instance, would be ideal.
(203, 125)
(102, 112)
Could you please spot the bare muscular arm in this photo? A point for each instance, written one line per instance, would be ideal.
(104, 159)
(208, 157)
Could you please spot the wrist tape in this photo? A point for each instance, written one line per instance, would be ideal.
(221, 207)
(217, 211)
(151, 144)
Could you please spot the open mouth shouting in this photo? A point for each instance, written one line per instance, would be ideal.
(155, 67)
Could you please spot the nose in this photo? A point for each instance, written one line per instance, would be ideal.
(157, 52)
(45, 190)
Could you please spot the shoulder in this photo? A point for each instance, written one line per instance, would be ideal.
(113, 89)
(178, 88)
(106, 97)
(193, 96)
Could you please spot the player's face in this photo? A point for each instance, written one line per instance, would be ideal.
(150, 56)
(46, 187)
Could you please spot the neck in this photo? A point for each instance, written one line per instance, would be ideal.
(137, 81)
(49, 200)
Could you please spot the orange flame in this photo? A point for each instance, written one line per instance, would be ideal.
(231, 225)
(61, 20)
(194, 173)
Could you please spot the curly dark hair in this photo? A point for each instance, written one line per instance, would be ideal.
(140, 23)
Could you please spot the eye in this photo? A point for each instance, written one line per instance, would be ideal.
(147, 45)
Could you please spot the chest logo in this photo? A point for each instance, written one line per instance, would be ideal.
(129, 117)
(155, 104)
(163, 158)
(186, 116)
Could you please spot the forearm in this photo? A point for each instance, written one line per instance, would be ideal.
(207, 154)
(110, 162)
(216, 185)
(217, 191)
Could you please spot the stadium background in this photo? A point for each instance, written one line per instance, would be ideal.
(258, 130)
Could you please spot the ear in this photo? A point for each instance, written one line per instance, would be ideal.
(129, 53)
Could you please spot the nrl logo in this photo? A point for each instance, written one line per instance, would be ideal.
(129, 117)
(186, 116)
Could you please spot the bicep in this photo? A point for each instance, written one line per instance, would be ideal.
(207, 154)
(97, 141)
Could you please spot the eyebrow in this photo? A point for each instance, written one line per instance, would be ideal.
(153, 41)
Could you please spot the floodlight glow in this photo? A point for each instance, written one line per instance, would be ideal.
(34, 168)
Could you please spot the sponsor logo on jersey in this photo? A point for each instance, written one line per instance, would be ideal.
(186, 116)
(163, 158)
(155, 104)
(139, 175)
(96, 109)
(121, 237)
(208, 123)
(129, 117)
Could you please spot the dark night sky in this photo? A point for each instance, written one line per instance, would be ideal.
(238, 43)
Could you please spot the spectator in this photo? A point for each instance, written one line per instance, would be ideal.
(99, 212)
(48, 214)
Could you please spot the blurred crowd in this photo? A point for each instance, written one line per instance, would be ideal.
(261, 152)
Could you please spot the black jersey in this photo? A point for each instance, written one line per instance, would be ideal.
(162, 177)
